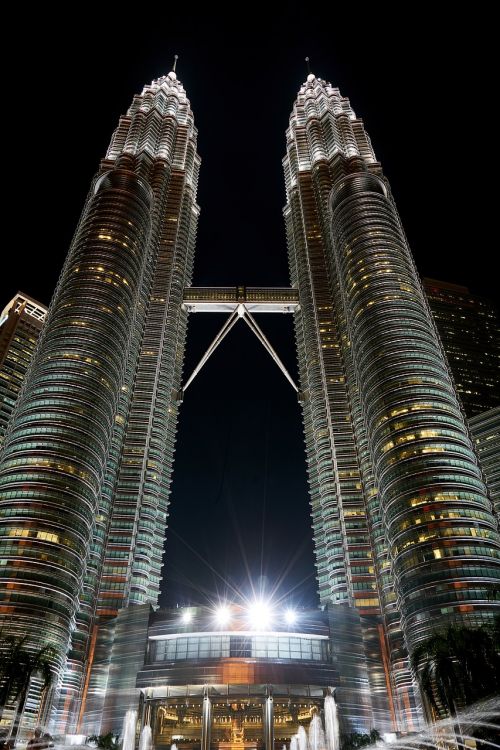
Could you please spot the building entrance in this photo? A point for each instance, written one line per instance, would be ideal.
(237, 722)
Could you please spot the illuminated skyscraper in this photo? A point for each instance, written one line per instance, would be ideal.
(20, 325)
(403, 527)
(86, 465)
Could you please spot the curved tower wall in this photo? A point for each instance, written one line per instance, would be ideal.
(56, 449)
(442, 535)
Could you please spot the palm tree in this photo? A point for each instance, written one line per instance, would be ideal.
(17, 667)
(440, 679)
(109, 741)
(457, 667)
(356, 740)
(438, 675)
(10, 673)
(454, 668)
(479, 662)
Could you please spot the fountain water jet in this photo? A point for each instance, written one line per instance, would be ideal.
(469, 737)
(294, 742)
(316, 734)
(302, 738)
(331, 723)
(472, 721)
(146, 739)
(128, 731)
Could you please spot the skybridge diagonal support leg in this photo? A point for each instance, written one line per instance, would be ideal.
(252, 324)
(213, 346)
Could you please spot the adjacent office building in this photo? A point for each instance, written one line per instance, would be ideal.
(485, 430)
(20, 325)
(405, 538)
(469, 329)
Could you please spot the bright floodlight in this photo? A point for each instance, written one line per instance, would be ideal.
(222, 615)
(290, 616)
(186, 617)
(259, 615)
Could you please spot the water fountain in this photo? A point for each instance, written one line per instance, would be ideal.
(472, 722)
(128, 731)
(173, 746)
(294, 742)
(331, 723)
(316, 734)
(302, 739)
(146, 739)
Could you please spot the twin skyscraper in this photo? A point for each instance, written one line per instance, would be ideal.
(406, 538)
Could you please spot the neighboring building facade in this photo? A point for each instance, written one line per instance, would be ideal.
(485, 430)
(20, 325)
(469, 329)
(404, 534)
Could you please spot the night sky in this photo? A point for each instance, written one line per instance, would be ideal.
(239, 497)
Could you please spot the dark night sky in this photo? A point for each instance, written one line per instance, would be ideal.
(239, 499)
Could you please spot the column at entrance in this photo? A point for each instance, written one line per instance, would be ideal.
(206, 721)
(152, 712)
(145, 711)
(269, 721)
(148, 713)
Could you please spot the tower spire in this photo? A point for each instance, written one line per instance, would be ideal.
(176, 57)
(308, 66)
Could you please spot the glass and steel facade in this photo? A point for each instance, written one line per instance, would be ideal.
(86, 462)
(213, 645)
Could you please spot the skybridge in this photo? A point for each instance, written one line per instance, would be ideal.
(227, 298)
(241, 303)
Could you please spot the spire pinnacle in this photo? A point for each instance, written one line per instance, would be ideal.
(176, 57)
(308, 66)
